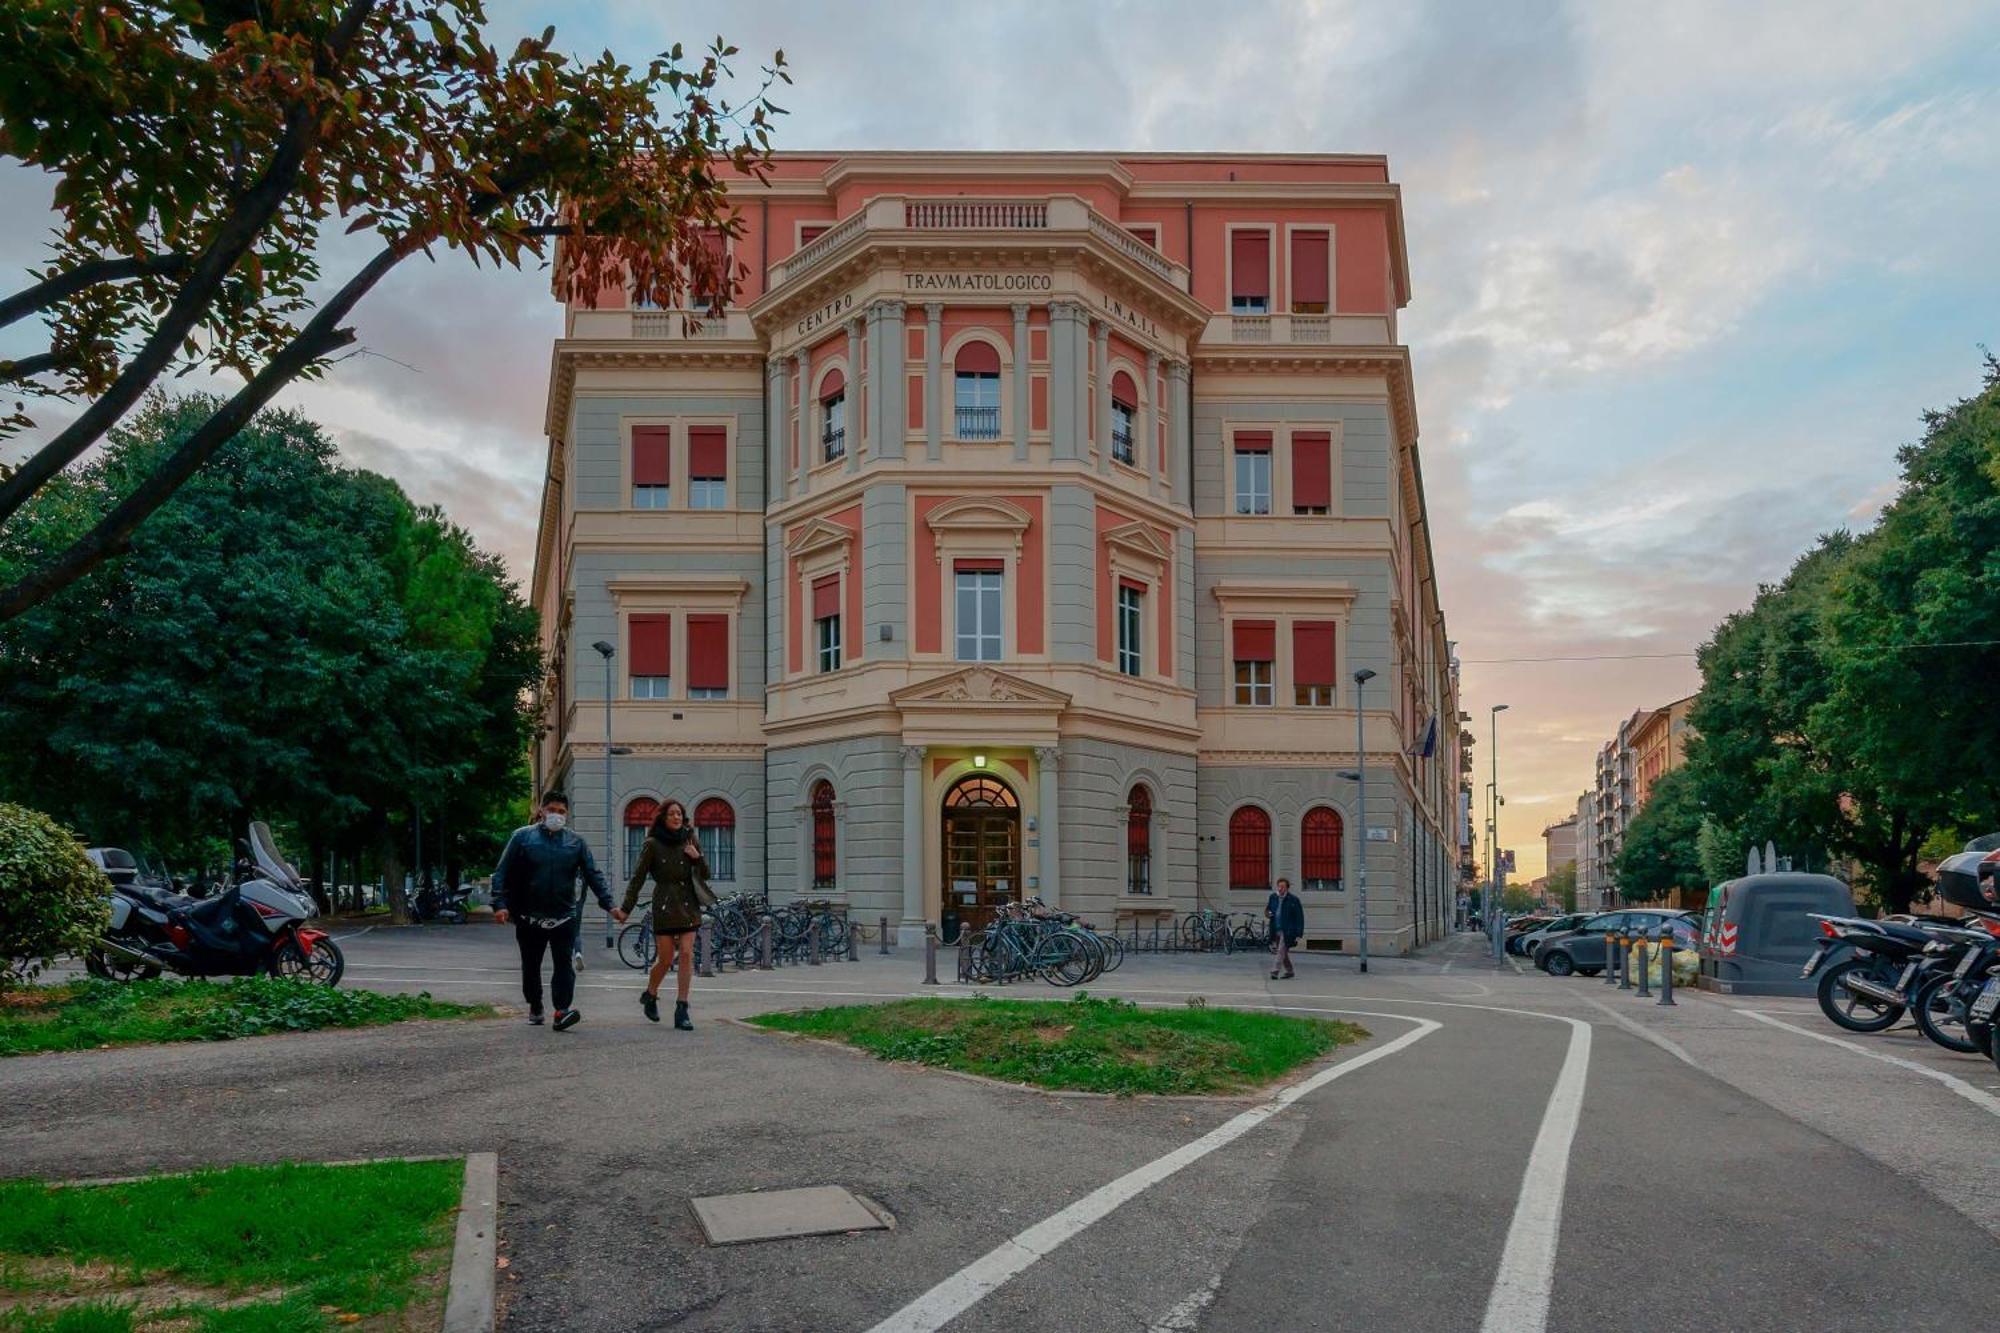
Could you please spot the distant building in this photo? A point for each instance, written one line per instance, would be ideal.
(1648, 745)
(1659, 746)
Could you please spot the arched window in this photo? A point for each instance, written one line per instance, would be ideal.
(1139, 841)
(639, 816)
(1124, 408)
(823, 835)
(1319, 848)
(976, 389)
(715, 827)
(974, 790)
(1249, 849)
(833, 415)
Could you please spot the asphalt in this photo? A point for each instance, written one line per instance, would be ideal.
(1773, 1183)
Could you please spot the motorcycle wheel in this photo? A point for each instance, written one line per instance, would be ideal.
(1850, 1009)
(324, 965)
(1940, 1017)
(108, 966)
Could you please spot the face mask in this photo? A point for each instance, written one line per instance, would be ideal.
(553, 822)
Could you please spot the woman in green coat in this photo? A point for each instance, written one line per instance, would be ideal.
(671, 858)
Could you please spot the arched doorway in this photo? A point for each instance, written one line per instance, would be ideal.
(982, 852)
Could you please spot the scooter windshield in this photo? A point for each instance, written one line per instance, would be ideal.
(265, 850)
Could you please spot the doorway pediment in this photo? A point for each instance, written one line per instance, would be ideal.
(981, 685)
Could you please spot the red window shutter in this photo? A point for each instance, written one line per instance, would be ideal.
(642, 812)
(1312, 652)
(826, 597)
(708, 453)
(1256, 641)
(832, 386)
(979, 566)
(708, 652)
(1123, 391)
(1250, 263)
(652, 645)
(1253, 441)
(1138, 824)
(714, 813)
(977, 358)
(1319, 844)
(652, 457)
(715, 252)
(1309, 268)
(1312, 470)
(824, 835)
(1133, 584)
(1249, 849)
(810, 233)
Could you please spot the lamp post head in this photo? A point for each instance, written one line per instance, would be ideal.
(1499, 708)
(604, 649)
(1363, 676)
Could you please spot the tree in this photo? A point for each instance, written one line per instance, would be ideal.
(52, 899)
(203, 147)
(1662, 850)
(291, 640)
(1562, 885)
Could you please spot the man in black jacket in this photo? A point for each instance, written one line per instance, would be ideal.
(1288, 923)
(535, 886)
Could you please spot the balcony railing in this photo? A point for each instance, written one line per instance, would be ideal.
(1121, 443)
(978, 423)
(833, 443)
(962, 214)
(679, 324)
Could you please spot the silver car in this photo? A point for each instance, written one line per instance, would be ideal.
(1533, 939)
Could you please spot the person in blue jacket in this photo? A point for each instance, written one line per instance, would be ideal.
(1288, 923)
(534, 886)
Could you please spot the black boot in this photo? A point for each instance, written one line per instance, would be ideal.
(651, 1004)
(681, 1019)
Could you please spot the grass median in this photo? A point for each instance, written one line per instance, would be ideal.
(84, 1015)
(295, 1248)
(1083, 1044)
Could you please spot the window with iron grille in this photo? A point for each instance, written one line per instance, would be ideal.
(1249, 849)
(823, 835)
(833, 428)
(1121, 431)
(639, 816)
(1319, 848)
(1139, 841)
(976, 400)
(715, 829)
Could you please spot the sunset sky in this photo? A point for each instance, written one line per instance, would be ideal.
(1684, 277)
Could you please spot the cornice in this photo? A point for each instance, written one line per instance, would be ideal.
(570, 355)
(1389, 360)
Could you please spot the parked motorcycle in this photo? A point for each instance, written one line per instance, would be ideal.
(1969, 998)
(255, 925)
(1868, 990)
(434, 902)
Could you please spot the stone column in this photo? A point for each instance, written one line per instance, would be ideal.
(1021, 361)
(933, 380)
(1100, 426)
(888, 422)
(806, 441)
(1180, 431)
(858, 425)
(913, 845)
(1150, 441)
(1066, 356)
(777, 430)
(1046, 758)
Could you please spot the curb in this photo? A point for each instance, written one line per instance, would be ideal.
(469, 1305)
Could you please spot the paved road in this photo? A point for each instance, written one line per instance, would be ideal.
(1506, 1152)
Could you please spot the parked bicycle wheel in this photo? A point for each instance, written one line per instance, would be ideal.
(636, 946)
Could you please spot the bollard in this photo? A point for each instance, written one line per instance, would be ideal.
(854, 944)
(885, 937)
(1667, 967)
(1624, 962)
(764, 944)
(812, 943)
(1611, 960)
(1645, 972)
(930, 955)
(704, 953)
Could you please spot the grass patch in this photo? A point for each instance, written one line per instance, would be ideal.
(294, 1248)
(1085, 1044)
(83, 1015)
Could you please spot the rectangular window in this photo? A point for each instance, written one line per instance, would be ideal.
(1312, 472)
(708, 657)
(812, 231)
(650, 655)
(1255, 645)
(652, 466)
(713, 293)
(977, 590)
(1253, 472)
(833, 429)
(826, 622)
(1131, 619)
(1312, 663)
(977, 400)
(1249, 272)
(1311, 292)
(708, 467)
(1147, 232)
(1121, 431)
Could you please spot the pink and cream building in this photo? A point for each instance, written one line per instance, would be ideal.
(1018, 530)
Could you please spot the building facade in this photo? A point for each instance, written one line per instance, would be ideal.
(1559, 844)
(1019, 528)
(1659, 746)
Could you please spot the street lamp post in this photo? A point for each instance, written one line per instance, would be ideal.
(607, 652)
(1496, 915)
(1361, 678)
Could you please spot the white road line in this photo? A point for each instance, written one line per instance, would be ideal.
(971, 1284)
(353, 934)
(1984, 1100)
(1186, 1315)
(1520, 1299)
(1668, 1045)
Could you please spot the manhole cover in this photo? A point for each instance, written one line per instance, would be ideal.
(732, 1219)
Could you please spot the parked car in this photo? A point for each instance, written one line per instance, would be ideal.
(1582, 950)
(1518, 928)
(1559, 926)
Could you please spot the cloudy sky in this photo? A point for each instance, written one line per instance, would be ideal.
(1684, 277)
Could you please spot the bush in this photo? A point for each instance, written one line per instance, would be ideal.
(53, 901)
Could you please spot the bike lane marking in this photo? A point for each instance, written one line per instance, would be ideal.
(962, 1290)
(1984, 1100)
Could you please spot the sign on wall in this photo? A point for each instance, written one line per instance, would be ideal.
(927, 283)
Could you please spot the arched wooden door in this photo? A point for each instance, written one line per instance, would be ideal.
(982, 852)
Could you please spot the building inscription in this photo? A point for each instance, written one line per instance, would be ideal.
(960, 284)
(1125, 314)
(826, 314)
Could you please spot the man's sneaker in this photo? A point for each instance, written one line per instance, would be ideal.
(568, 1018)
(651, 1004)
(576, 959)
(534, 1018)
